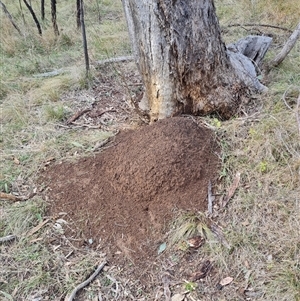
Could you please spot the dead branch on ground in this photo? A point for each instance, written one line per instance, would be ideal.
(210, 198)
(297, 113)
(119, 59)
(260, 25)
(10, 197)
(77, 115)
(285, 50)
(86, 282)
(7, 238)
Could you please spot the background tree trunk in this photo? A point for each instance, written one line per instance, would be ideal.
(182, 59)
(34, 17)
(53, 14)
(6, 12)
(78, 14)
(43, 9)
(84, 40)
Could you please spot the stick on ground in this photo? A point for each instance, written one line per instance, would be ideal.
(7, 238)
(297, 113)
(86, 282)
(286, 49)
(260, 25)
(210, 198)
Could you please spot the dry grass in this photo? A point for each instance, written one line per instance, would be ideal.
(261, 222)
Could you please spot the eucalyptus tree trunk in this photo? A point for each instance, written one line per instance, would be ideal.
(183, 61)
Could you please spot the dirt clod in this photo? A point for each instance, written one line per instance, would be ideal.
(124, 198)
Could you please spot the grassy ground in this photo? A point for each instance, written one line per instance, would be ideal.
(261, 222)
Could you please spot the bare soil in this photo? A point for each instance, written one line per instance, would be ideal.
(125, 197)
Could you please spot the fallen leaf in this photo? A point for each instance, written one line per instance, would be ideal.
(202, 271)
(232, 189)
(196, 241)
(247, 265)
(178, 297)
(16, 161)
(162, 248)
(226, 281)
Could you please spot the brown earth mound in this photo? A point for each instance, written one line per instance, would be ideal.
(124, 197)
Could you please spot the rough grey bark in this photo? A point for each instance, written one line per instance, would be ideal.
(246, 56)
(183, 61)
(253, 47)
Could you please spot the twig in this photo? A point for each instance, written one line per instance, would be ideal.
(13, 198)
(100, 144)
(79, 125)
(7, 238)
(284, 100)
(37, 228)
(260, 25)
(86, 282)
(49, 74)
(115, 60)
(297, 113)
(232, 189)
(77, 115)
(210, 198)
(166, 283)
(7, 196)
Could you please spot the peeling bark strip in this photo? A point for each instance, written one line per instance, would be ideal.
(182, 58)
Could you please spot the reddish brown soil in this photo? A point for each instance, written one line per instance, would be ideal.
(124, 198)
